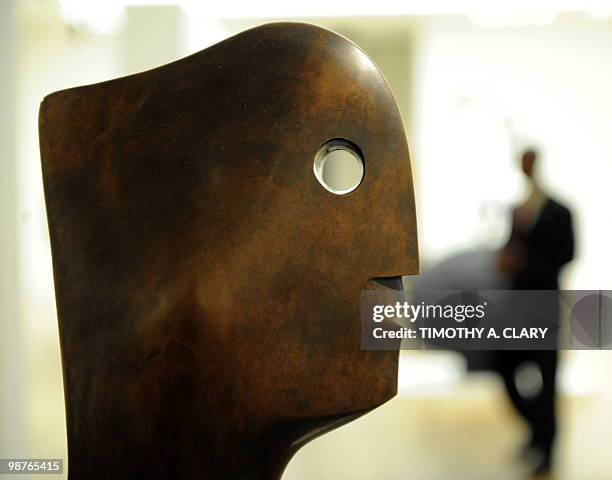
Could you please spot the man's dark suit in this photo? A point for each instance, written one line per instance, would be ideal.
(544, 249)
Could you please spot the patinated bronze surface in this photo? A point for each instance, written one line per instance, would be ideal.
(207, 285)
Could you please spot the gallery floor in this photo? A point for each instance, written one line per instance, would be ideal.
(465, 430)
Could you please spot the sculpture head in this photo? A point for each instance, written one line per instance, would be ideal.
(207, 284)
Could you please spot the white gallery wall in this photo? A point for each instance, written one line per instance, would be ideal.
(12, 437)
(479, 94)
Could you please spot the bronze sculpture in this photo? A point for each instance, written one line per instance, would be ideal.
(207, 285)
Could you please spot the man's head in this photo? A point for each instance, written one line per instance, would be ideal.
(528, 162)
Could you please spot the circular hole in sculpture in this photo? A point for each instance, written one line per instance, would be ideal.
(338, 166)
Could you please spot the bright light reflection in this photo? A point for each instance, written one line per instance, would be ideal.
(109, 16)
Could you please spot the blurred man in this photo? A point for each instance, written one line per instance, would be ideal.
(541, 242)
